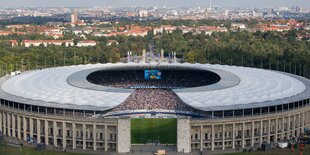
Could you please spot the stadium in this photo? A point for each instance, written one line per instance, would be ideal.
(212, 107)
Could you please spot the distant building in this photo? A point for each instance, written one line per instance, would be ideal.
(28, 43)
(238, 25)
(5, 33)
(75, 20)
(143, 13)
(74, 17)
(85, 43)
(13, 43)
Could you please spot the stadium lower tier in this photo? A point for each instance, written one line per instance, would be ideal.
(115, 134)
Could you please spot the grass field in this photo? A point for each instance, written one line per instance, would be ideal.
(143, 130)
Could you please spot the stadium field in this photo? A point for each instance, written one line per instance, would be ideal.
(144, 130)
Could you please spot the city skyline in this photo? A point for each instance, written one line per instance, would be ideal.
(150, 3)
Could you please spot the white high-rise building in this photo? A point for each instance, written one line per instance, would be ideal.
(210, 5)
(74, 17)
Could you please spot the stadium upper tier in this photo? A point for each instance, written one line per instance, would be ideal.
(238, 87)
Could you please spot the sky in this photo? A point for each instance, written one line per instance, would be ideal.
(148, 3)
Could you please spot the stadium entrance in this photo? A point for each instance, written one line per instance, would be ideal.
(148, 135)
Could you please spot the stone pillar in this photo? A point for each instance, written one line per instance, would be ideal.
(268, 131)
(1, 122)
(55, 133)
(4, 123)
(19, 134)
(302, 123)
(84, 136)
(31, 127)
(223, 136)
(289, 127)
(13, 126)
(46, 131)
(212, 137)
(38, 131)
(298, 124)
(95, 136)
(252, 134)
(64, 134)
(294, 126)
(261, 133)
(233, 135)
(25, 128)
(73, 135)
(276, 132)
(105, 137)
(123, 135)
(243, 136)
(306, 118)
(9, 124)
(201, 138)
(282, 129)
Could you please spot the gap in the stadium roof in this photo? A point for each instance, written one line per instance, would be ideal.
(153, 86)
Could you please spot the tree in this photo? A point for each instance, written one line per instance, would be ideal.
(190, 57)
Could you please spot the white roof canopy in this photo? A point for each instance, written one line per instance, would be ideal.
(253, 86)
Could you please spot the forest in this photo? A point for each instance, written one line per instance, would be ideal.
(270, 50)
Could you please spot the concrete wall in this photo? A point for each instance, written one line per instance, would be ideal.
(123, 138)
(183, 135)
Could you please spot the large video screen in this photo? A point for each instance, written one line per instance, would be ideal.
(152, 74)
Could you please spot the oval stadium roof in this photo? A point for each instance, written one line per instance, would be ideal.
(239, 87)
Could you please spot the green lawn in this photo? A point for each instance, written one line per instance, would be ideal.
(146, 129)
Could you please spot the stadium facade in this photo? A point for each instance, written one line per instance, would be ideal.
(239, 107)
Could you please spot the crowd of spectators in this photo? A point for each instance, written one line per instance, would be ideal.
(155, 93)
(150, 99)
(170, 79)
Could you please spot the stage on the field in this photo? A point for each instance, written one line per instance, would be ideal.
(150, 130)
